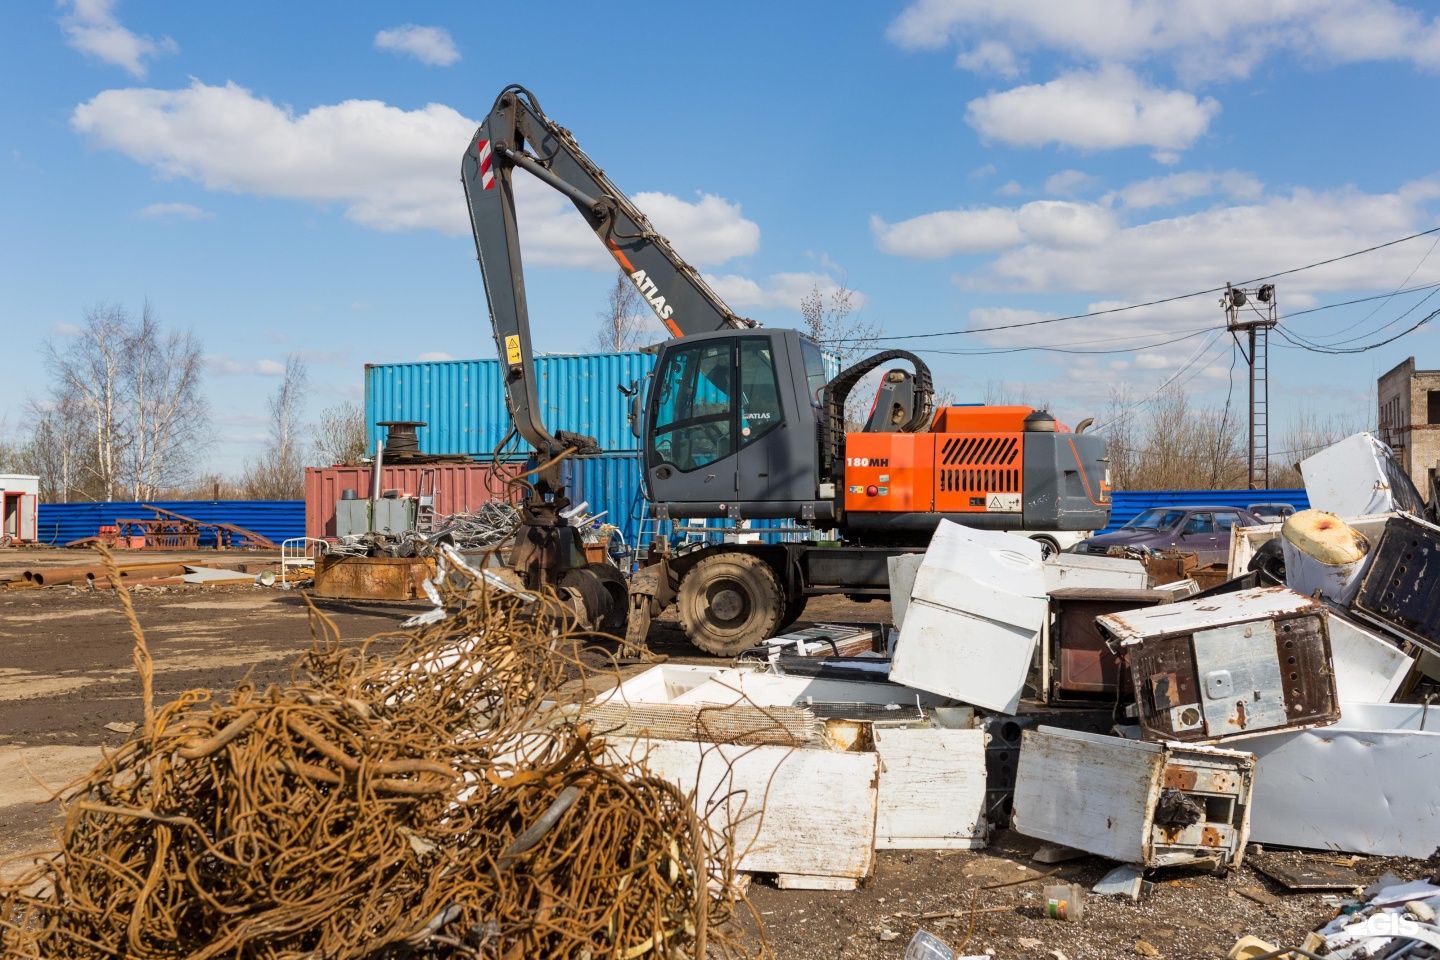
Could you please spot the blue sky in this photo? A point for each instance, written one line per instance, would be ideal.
(284, 178)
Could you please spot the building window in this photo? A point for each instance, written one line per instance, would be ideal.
(1432, 406)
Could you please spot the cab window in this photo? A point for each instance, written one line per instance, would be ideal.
(814, 369)
(693, 405)
(759, 391)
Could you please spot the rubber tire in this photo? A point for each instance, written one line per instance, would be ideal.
(762, 603)
(794, 610)
(1049, 549)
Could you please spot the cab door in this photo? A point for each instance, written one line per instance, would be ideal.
(690, 450)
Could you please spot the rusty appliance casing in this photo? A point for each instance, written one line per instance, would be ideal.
(1087, 667)
(1228, 666)
(371, 578)
(1145, 803)
(1401, 589)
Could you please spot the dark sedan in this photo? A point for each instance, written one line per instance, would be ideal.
(1203, 530)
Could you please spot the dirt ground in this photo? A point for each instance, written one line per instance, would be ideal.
(66, 673)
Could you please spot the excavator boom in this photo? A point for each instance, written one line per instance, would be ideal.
(517, 134)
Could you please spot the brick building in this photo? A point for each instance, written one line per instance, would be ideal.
(1410, 420)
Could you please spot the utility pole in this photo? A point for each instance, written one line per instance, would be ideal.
(1258, 358)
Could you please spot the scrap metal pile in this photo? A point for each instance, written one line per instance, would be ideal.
(440, 801)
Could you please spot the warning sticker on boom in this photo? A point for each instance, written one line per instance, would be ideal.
(1003, 503)
(512, 350)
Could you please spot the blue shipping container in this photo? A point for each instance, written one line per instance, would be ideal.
(462, 402)
(1128, 503)
(60, 523)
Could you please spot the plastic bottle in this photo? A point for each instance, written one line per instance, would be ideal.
(1064, 901)
(927, 946)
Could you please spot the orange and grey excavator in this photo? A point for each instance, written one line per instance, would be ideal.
(743, 422)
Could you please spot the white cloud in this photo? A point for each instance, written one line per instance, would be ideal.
(390, 169)
(1010, 188)
(780, 290)
(434, 356)
(174, 211)
(1229, 243)
(990, 56)
(1202, 38)
(713, 228)
(62, 329)
(1179, 187)
(1068, 183)
(432, 46)
(91, 27)
(224, 366)
(990, 229)
(1103, 109)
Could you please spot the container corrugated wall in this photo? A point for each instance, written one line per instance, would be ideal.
(1126, 504)
(459, 488)
(60, 523)
(463, 401)
(611, 483)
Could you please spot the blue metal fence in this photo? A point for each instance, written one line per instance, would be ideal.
(59, 523)
(1127, 503)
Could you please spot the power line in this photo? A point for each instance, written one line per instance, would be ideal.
(1154, 303)
(1317, 348)
(990, 351)
(1127, 411)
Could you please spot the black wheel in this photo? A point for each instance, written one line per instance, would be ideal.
(794, 609)
(729, 602)
(1048, 547)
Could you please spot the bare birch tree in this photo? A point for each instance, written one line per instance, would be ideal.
(125, 415)
(165, 375)
(87, 376)
(278, 473)
(624, 320)
(340, 435)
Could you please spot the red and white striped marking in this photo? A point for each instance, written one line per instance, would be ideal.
(487, 176)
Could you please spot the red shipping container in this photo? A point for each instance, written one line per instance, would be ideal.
(459, 488)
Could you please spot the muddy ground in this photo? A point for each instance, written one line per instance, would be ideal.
(65, 673)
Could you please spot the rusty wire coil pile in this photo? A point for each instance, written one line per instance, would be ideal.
(426, 803)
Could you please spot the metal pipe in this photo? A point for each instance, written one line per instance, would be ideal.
(579, 196)
(377, 468)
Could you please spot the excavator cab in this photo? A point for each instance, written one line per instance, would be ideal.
(732, 423)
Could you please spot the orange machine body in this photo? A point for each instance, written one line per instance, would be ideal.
(972, 460)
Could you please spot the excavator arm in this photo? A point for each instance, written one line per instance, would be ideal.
(518, 134)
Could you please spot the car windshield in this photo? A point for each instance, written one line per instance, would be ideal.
(1156, 518)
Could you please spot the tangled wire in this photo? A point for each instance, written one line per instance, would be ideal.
(433, 802)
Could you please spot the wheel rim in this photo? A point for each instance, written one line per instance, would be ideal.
(727, 603)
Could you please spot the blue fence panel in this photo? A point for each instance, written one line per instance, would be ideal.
(462, 402)
(59, 523)
(1126, 504)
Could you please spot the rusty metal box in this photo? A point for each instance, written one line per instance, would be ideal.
(1086, 668)
(1228, 666)
(1143, 803)
(1401, 589)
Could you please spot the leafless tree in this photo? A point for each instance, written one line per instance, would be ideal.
(125, 414)
(340, 435)
(278, 473)
(1169, 443)
(57, 449)
(1000, 393)
(164, 379)
(625, 320)
(831, 321)
(88, 377)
